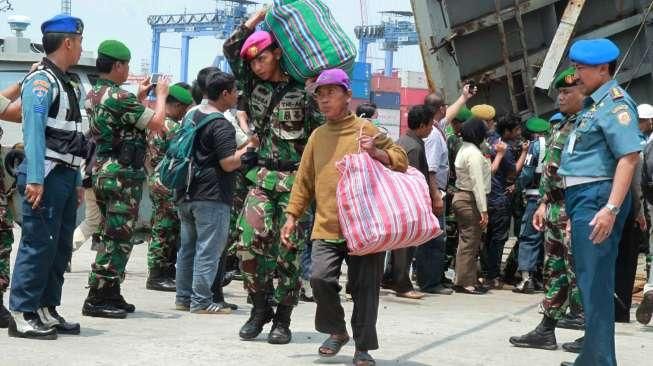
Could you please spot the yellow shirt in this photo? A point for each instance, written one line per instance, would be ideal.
(473, 173)
(317, 177)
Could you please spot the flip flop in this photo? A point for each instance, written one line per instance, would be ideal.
(333, 344)
(362, 358)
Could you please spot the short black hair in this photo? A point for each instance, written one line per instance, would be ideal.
(508, 123)
(434, 100)
(52, 41)
(217, 82)
(366, 110)
(170, 99)
(202, 77)
(197, 93)
(105, 63)
(420, 115)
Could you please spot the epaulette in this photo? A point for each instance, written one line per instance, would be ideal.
(616, 93)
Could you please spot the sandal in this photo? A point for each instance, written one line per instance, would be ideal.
(362, 358)
(332, 344)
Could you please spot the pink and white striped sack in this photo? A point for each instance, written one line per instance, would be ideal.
(380, 209)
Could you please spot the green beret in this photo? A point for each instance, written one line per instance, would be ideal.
(464, 114)
(565, 79)
(538, 125)
(114, 49)
(180, 93)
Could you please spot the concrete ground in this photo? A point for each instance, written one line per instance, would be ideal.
(452, 330)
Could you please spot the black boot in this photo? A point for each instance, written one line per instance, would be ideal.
(543, 337)
(5, 315)
(28, 325)
(572, 321)
(98, 304)
(261, 314)
(158, 280)
(51, 318)
(575, 346)
(280, 332)
(115, 297)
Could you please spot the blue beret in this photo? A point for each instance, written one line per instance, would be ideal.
(556, 118)
(63, 23)
(593, 51)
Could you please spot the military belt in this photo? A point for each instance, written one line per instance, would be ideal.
(279, 165)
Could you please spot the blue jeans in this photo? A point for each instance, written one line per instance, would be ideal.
(495, 240)
(46, 244)
(531, 241)
(430, 260)
(595, 269)
(204, 233)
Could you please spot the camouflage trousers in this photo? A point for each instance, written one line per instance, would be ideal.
(241, 189)
(260, 250)
(164, 240)
(118, 197)
(559, 278)
(6, 234)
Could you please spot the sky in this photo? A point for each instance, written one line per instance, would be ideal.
(126, 20)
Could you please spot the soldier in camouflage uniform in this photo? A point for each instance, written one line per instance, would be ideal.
(560, 282)
(118, 123)
(164, 239)
(8, 112)
(283, 117)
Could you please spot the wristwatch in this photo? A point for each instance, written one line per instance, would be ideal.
(613, 209)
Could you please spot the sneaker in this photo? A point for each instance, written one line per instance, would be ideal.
(525, 287)
(213, 309)
(182, 307)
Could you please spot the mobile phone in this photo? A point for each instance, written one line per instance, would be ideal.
(472, 85)
(154, 79)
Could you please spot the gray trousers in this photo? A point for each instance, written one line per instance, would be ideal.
(364, 276)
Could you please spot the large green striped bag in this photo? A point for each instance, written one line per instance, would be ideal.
(310, 38)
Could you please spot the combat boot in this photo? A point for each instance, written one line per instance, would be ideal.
(543, 337)
(575, 346)
(118, 301)
(5, 315)
(280, 332)
(572, 321)
(158, 280)
(28, 325)
(98, 304)
(261, 314)
(51, 319)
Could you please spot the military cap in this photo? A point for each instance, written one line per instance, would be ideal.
(566, 78)
(258, 42)
(483, 111)
(537, 125)
(464, 114)
(556, 118)
(593, 51)
(114, 49)
(181, 94)
(63, 23)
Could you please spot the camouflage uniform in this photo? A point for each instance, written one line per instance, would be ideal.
(6, 233)
(283, 137)
(116, 117)
(560, 281)
(165, 222)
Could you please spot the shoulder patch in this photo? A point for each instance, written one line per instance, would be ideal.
(619, 108)
(616, 93)
(624, 118)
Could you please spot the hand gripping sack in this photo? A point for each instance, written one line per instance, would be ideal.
(380, 209)
(310, 37)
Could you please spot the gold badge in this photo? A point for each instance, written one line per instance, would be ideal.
(616, 93)
(570, 79)
(252, 51)
(624, 118)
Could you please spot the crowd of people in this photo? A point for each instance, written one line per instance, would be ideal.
(262, 189)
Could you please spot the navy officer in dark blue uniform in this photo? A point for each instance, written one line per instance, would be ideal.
(598, 163)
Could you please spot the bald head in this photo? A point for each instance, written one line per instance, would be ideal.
(434, 100)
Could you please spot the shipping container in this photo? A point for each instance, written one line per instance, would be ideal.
(390, 117)
(392, 131)
(403, 119)
(386, 100)
(411, 97)
(381, 83)
(360, 89)
(361, 71)
(413, 80)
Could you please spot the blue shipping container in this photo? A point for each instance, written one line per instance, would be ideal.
(360, 89)
(362, 71)
(386, 100)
